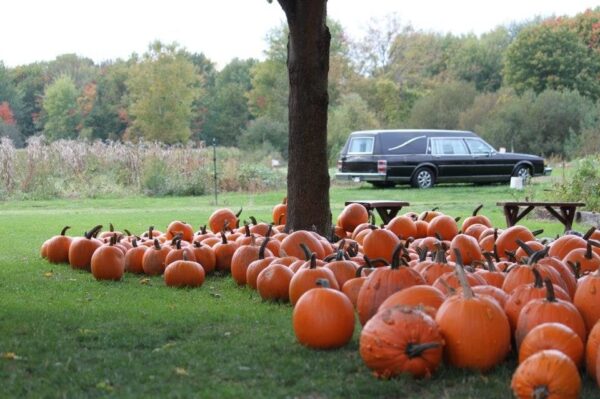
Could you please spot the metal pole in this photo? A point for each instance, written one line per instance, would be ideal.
(214, 144)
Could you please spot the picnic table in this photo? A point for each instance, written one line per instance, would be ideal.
(387, 210)
(563, 211)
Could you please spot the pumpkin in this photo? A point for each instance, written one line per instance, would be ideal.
(82, 249)
(436, 267)
(323, 318)
(351, 216)
(475, 328)
(352, 287)
(177, 252)
(493, 292)
(255, 267)
(442, 226)
(522, 273)
(564, 271)
(380, 243)
(133, 258)
(588, 260)
(560, 247)
(400, 340)
(507, 240)
(547, 374)
(403, 226)
(468, 247)
(382, 283)
(449, 282)
(273, 282)
(426, 297)
(476, 219)
(490, 273)
(427, 216)
(552, 336)
(525, 293)
(153, 261)
(291, 244)
(223, 219)
(587, 299)
(205, 255)
(184, 273)
(591, 351)
(57, 248)
(342, 269)
(243, 256)
(108, 234)
(549, 309)
(475, 230)
(224, 251)
(108, 262)
(280, 212)
(304, 279)
(185, 230)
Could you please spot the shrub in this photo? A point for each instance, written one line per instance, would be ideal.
(583, 183)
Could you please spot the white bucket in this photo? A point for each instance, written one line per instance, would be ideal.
(516, 183)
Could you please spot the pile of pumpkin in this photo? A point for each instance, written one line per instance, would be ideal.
(424, 288)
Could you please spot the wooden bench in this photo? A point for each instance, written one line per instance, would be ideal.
(387, 210)
(563, 211)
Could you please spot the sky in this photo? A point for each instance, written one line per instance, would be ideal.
(40, 30)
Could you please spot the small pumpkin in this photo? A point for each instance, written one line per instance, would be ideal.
(82, 249)
(223, 219)
(304, 279)
(273, 282)
(184, 273)
(108, 262)
(425, 297)
(57, 248)
(351, 216)
(280, 212)
(552, 336)
(153, 261)
(476, 219)
(134, 257)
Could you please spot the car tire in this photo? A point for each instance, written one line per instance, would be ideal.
(423, 178)
(383, 184)
(523, 172)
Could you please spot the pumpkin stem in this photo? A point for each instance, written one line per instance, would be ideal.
(93, 232)
(313, 261)
(489, 261)
(528, 250)
(246, 229)
(237, 215)
(415, 350)
(451, 290)
(353, 249)
(64, 230)
(589, 233)
(396, 256)
(177, 237)
(263, 246)
(537, 232)
(540, 392)
(150, 230)
(477, 209)
(422, 252)
(113, 240)
(184, 256)
(322, 282)
(127, 232)
(538, 282)
(340, 255)
(156, 244)
(576, 268)
(203, 229)
(456, 219)
(371, 217)
(550, 297)
(435, 208)
(495, 252)
(111, 228)
(269, 230)
(462, 277)
(359, 271)
(223, 238)
(134, 243)
(440, 254)
(537, 255)
(253, 220)
(197, 244)
(306, 250)
(424, 216)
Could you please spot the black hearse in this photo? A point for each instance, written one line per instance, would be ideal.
(425, 157)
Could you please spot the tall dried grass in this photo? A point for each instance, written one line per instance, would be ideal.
(77, 168)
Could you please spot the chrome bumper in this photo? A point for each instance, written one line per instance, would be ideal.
(547, 171)
(360, 176)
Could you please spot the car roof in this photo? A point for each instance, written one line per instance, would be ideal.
(435, 132)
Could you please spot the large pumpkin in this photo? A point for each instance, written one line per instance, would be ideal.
(108, 262)
(351, 216)
(401, 339)
(82, 249)
(552, 336)
(184, 273)
(323, 318)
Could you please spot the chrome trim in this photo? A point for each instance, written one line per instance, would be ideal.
(547, 171)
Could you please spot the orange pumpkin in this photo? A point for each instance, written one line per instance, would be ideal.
(351, 216)
(57, 248)
(133, 258)
(424, 296)
(476, 219)
(552, 336)
(304, 279)
(442, 226)
(273, 282)
(403, 226)
(280, 212)
(185, 230)
(323, 318)
(380, 243)
(153, 261)
(243, 256)
(224, 251)
(205, 255)
(108, 262)
(184, 273)
(586, 299)
(400, 340)
(223, 219)
(592, 351)
(547, 374)
(82, 249)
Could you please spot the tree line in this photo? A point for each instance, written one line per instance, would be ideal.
(532, 86)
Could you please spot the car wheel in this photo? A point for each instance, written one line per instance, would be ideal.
(523, 172)
(423, 178)
(383, 184)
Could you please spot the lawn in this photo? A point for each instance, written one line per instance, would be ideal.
(63, 334)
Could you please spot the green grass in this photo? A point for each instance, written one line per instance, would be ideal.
(76, 337)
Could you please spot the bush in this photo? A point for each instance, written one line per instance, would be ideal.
(583, 184)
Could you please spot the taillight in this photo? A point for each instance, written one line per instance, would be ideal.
(382, 166)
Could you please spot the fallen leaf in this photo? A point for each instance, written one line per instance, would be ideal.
(181, 371)
(49, 274)
(145, 281)
(11, 356)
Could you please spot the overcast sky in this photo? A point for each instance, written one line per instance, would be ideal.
(39, 30)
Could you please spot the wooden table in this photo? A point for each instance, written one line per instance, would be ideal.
(563, 211)
(387, 210)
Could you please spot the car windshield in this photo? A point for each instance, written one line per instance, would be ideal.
(477, 146)
(360, 145)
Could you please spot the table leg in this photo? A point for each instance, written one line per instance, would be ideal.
(566, 215)
(511, 212)
(388, 214)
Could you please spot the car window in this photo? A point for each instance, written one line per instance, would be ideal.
(477, 146)
(361, 145)
(448, 146)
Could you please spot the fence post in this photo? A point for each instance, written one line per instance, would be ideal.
(214, 144)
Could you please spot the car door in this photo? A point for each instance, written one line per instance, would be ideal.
(452, 158)
(489, 162)
(359, 155)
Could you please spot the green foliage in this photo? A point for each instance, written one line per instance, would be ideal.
(583, 183)
(162, 88)
(266, 135)
(552, 56)
(352, 114)
(441, 108)
(227, 106)
(60, 105)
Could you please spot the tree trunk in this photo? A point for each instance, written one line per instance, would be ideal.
(308, 68)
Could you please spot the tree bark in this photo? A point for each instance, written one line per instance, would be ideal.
(308, 68)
